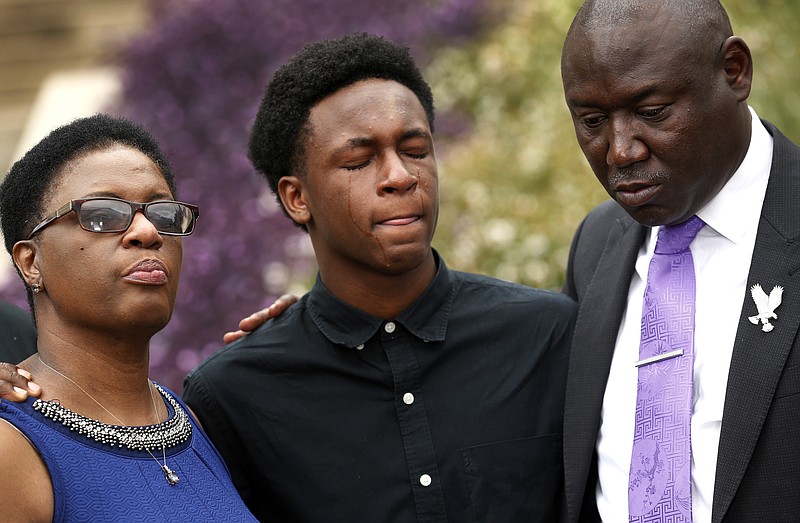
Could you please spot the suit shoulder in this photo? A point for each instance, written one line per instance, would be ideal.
(604, 214)
(596, 227)
(591, 239)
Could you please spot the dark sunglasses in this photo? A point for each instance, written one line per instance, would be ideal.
(116, 215)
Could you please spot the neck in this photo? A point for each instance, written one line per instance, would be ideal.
(111, 359)
(84, 372)
(741, 143)
(377, 293)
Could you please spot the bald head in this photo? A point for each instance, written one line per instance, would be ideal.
(610, 12)
(704, 22)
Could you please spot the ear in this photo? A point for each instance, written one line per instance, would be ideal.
(292, 193)
(25, 256)
(738, 65)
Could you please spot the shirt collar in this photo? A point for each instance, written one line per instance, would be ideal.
(735, 210)
(426, 318)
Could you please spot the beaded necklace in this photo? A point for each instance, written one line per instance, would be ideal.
(172, 432)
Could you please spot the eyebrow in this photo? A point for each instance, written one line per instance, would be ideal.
(636, 98)
(112, 194)
(416, 133)
(362, 141)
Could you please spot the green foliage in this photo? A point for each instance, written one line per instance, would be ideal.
(516, 187)
(770, 29)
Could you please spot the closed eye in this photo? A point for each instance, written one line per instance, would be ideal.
(357, 167)
(653, 113)
(593, 121)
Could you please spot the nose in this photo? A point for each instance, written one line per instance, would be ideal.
(396, 176)
(625, 146)
(142, 233)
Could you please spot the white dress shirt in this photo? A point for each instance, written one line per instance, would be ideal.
(722, 251)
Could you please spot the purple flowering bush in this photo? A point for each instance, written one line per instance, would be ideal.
(195, 79)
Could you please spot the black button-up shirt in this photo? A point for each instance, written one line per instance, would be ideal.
(450, 412)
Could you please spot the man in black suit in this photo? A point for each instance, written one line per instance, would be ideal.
(658, 95)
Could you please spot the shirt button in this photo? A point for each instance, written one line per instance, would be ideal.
(360, 347)
(425, 480)
(408, 398)
(389, 327)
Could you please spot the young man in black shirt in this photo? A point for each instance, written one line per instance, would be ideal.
(397, 389)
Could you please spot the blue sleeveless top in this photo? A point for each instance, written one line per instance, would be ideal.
(95, 481)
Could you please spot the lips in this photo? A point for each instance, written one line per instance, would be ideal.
(636, 194)
(150, 272)
(400, 220)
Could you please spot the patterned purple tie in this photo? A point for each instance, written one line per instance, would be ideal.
(660, 487)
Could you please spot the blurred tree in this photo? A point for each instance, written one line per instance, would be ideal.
(770, 29)
(516, 188)
(513, 192)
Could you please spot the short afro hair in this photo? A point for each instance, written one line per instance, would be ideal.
(30, 179)
(317, 71)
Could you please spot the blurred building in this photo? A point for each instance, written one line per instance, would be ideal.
(54, 57)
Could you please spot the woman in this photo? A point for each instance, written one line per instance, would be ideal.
(90, 220)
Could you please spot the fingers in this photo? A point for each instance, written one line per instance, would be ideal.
(16, 384)
(230, 337)
(257, 319)
(284, 302)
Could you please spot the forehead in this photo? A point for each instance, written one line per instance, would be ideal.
(116, 170)
(366, 106)
(645, 54)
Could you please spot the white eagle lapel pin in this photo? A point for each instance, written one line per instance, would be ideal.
(766, 305)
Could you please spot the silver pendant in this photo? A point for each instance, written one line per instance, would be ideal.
(169, 475)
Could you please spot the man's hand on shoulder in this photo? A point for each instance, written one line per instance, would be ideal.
(255, 320)
(16, 384)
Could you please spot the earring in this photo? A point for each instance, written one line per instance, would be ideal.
(35, 288)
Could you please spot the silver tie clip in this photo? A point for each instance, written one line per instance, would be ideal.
(659, 357)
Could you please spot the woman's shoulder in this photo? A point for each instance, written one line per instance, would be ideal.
(25, 486)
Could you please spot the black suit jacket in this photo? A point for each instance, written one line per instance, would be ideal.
(17, 335)
(758, 467)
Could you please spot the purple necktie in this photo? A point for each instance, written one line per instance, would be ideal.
(660, 484)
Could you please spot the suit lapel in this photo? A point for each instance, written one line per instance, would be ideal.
(759, 357)
(601, 308)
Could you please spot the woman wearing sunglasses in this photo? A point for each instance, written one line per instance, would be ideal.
(90, 219)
